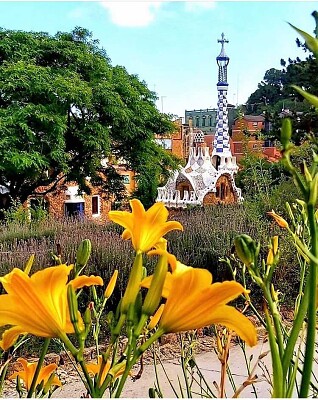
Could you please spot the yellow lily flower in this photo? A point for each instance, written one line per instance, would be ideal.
(144, 228)
(194, 302)
(27, 373)
(94, 369)
(38, 304)
(280, 220)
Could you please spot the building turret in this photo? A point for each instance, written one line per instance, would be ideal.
(204, 181)
(221, 144)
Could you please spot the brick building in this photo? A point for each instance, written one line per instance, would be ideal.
(67, 201)
(246, 136)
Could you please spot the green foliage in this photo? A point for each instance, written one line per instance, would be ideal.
(16, 213)
(64, 108)
(276, 92)
(265, 185)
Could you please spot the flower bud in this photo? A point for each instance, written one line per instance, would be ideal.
(290, 212)
(133, 285)
(286, 132)
(313, 194)
(29, 264)
(307, 174)
(274, 293)
(87, 317)
(245, 248)
(83, 253)
(270, 257)
(279, 220)
(73, 307)
(154, 293)
(275, 244)
(111, 285)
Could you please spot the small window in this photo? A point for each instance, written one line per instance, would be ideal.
(95, 205)
(74, 209)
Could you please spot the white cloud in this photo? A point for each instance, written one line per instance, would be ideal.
(77, 13)
(198, 5)
(132, 13)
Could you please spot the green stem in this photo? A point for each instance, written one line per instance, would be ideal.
(3, 374)
(117, 329)
(297, 324)
(88, 380)
(97, 325)
(311, 328)
(105, 385)
(278, 383)
(301, 283)
(38, 367)
(276, 319)
(131, 349)
(185, 375)
(260, 318)
(134, 359)
(69, 345)
(141, 324)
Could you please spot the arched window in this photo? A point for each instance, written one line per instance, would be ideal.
(222, 191)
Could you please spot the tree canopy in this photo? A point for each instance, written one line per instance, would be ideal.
(64, 108)
(274, 94)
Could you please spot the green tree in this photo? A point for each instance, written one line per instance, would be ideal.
(265, 185)
(64, 108)
(275, 94)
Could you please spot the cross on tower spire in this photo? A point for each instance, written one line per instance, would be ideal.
(222, 40)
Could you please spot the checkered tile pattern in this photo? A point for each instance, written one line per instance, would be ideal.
(221, 141)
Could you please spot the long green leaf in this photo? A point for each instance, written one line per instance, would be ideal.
(311, 42)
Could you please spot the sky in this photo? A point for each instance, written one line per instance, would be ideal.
(173, 45)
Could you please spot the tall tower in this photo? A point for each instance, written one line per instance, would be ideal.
(203, 181)
(221, 144)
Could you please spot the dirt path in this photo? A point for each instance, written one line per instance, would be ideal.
(169, 352)
(209, 366)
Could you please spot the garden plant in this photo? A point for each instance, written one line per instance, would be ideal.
(163, 295)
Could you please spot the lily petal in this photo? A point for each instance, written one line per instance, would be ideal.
(10, 336)
(83, 280)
